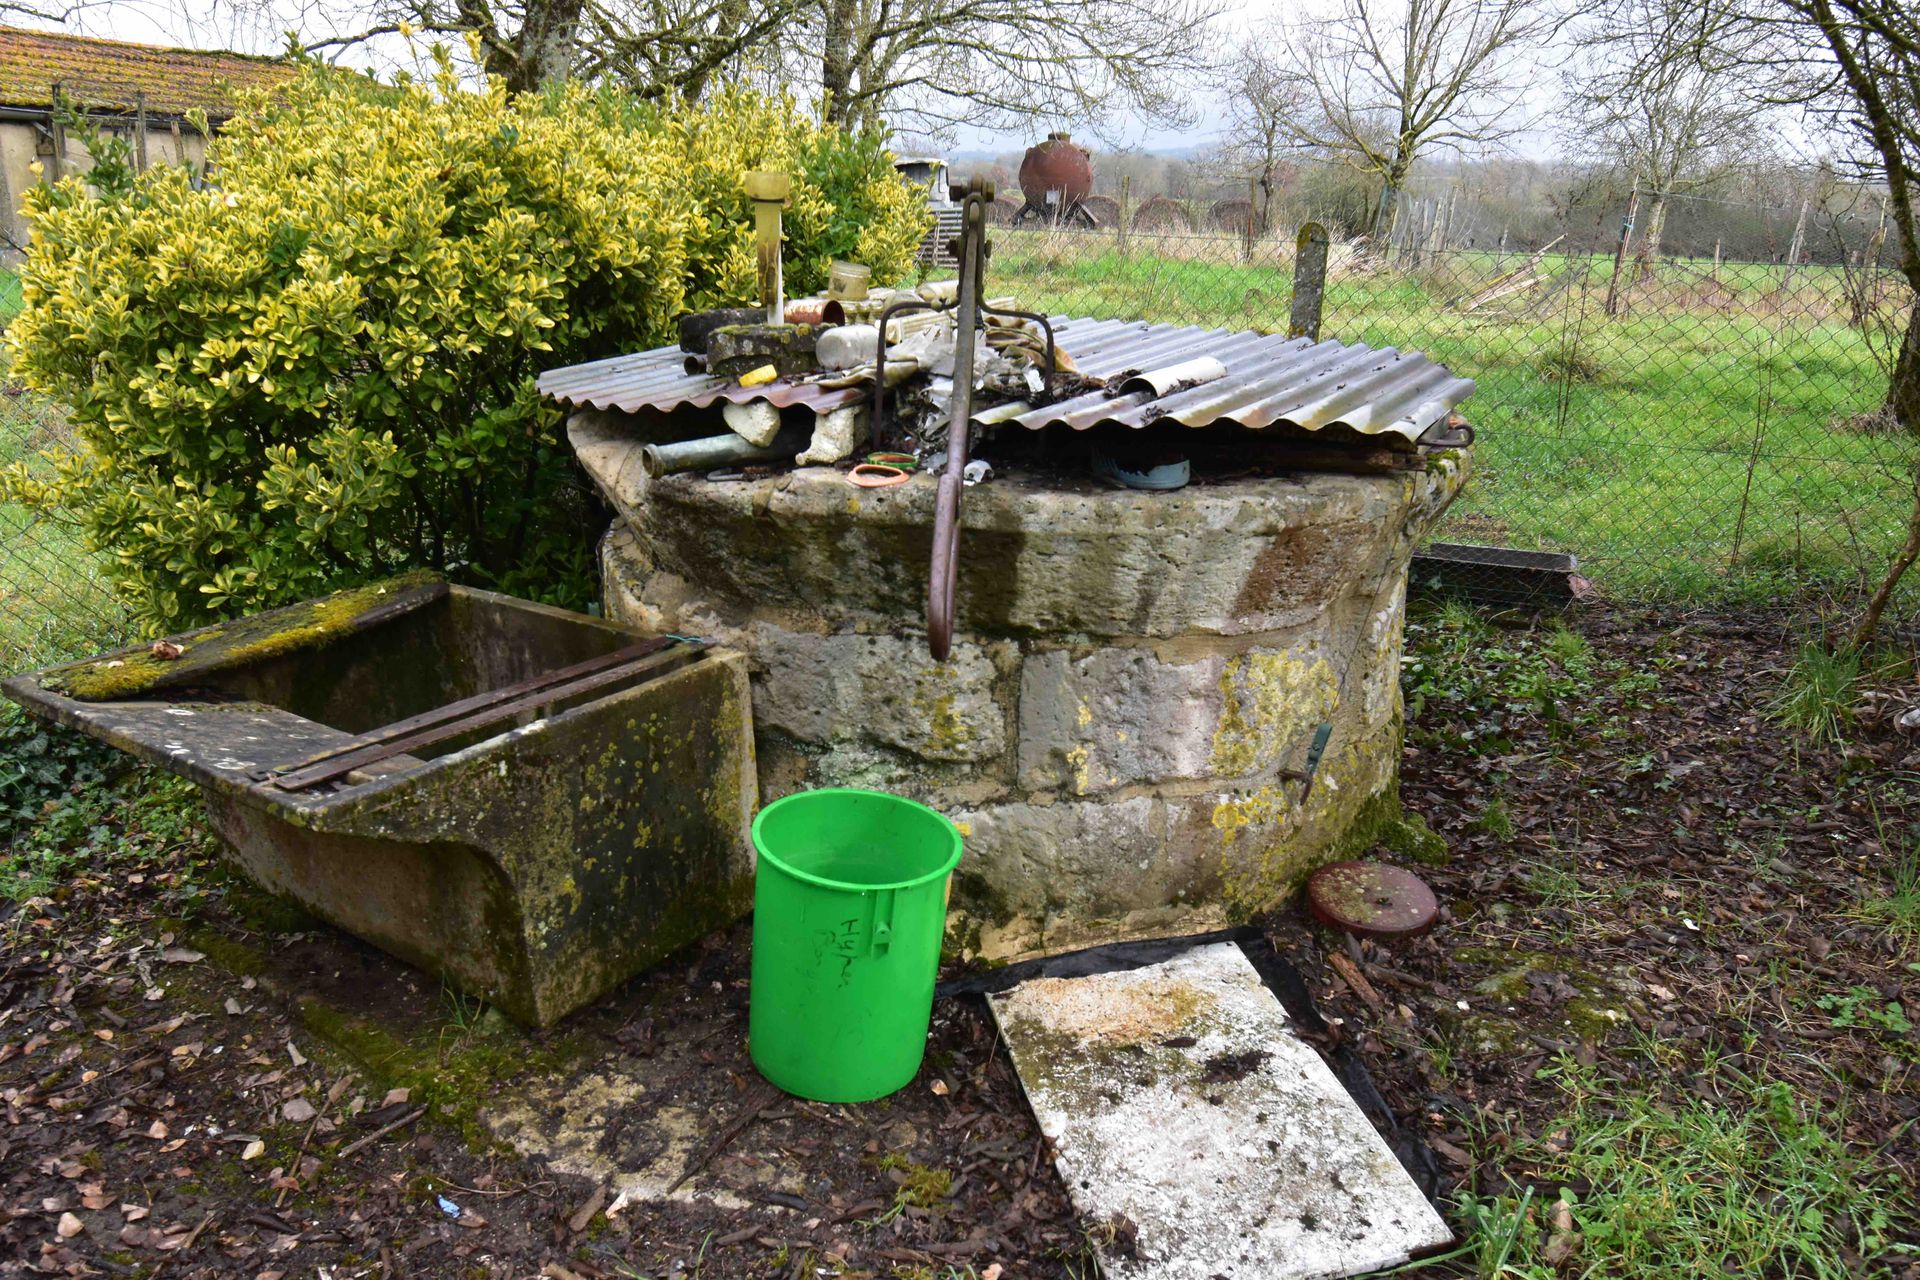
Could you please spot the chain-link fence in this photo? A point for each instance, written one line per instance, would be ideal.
(1690, 427)
(1693, 428)
(55, 601)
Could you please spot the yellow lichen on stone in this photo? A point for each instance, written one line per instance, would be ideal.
(1267, 701)
(1079, 758)
(1259, 807)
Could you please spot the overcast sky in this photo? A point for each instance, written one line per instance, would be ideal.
(220, 25)
(257, 27)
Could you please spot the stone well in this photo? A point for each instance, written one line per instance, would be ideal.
(1131, 672)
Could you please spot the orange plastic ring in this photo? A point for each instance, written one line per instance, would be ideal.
(869, 475)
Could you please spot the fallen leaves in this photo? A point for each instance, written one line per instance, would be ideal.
(299, 1110)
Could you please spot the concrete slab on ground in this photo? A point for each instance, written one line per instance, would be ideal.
(1200, 1135)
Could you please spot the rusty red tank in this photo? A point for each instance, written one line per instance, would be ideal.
(1055, 175)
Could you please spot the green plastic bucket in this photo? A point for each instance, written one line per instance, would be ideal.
(849, 908)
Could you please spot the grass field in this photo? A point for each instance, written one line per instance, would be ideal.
(1701, 443)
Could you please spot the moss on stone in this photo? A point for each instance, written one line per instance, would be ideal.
(1408, 835)
(232, 644)
(235, 957)
(451, 1071)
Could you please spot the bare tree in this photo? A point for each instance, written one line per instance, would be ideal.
(1388, 80)
(1662, 90)
(929, 65)
(655, 47)
(1263, 101)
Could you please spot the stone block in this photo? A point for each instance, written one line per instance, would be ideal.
(829, 689)
(1077, 857)
(1120, 717)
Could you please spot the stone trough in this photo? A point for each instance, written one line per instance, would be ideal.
(1135, 679)
(531, 803)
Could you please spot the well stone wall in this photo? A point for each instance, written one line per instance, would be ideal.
(1132, 673)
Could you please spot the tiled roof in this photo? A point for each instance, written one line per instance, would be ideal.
(110, 73)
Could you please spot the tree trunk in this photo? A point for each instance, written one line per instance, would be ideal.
(548, 39)
(1903, 388)
(1903, 402)
(729, 18)
(1389, 197)
(836, 62)
(1649, 256)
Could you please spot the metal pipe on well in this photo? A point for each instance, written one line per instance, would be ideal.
(768, 191)
(716, 451)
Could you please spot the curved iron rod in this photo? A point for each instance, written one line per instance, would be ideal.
(944, 573)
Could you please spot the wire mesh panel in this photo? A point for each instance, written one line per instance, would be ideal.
(1686, 427)
(55, 600)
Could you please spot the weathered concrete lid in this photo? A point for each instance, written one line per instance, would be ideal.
(1199, 1136)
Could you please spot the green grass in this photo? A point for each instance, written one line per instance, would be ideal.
(1897, 908)
(1817, 697)
(1631, 1184)
(1697, 445)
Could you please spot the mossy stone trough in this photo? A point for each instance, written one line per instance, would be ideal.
(555, 835)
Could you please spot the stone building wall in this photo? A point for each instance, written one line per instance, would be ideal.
(1132, 673)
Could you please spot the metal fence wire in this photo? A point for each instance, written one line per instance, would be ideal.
(55, 599)
(1687, 429)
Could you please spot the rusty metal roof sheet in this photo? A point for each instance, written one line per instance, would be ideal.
(1271, 380)
(659, 379)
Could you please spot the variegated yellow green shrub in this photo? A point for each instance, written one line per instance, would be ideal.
(315, 366)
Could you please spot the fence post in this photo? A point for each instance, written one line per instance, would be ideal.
(59, 156)
(1620, 251)
(1795, 248)
(1309, 282)
(1126, 211)
(1253, 189)
(1387, 197)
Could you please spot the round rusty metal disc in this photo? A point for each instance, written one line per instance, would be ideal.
(1372, 899)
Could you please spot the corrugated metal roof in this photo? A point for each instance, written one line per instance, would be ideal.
(658, 379)
(1271, 380)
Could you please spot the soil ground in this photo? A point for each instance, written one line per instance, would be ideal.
(1662, 911)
